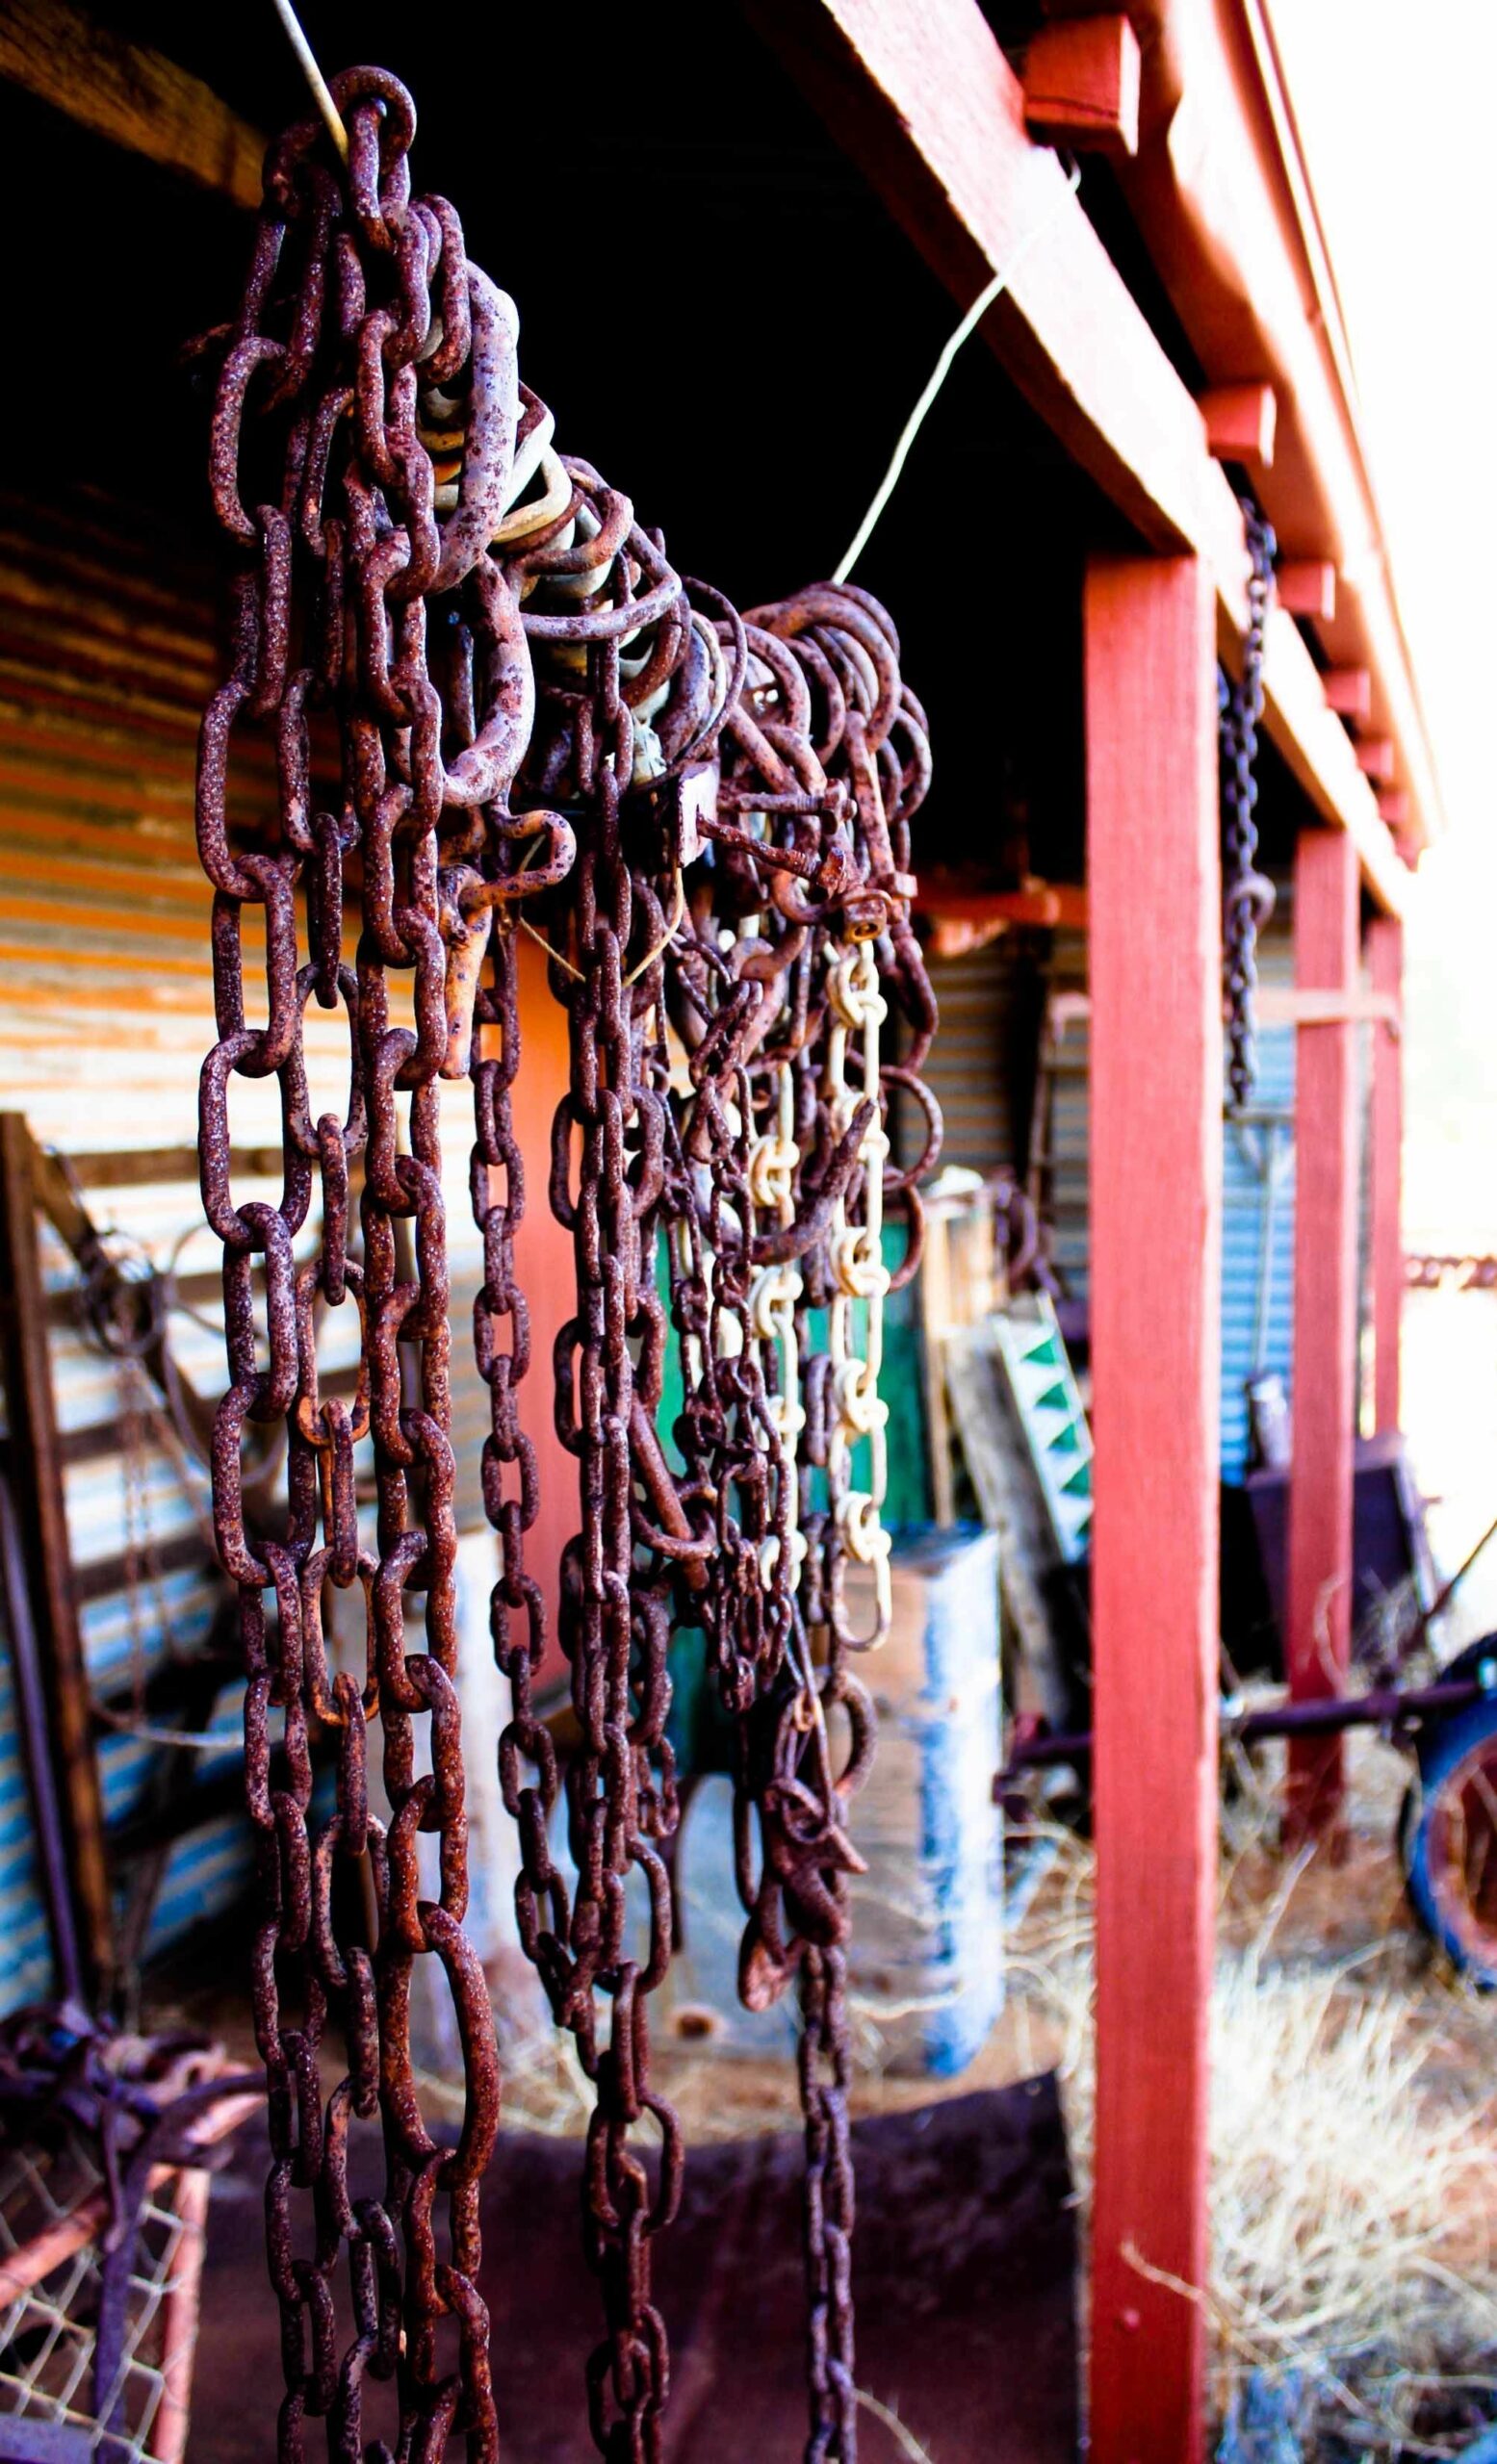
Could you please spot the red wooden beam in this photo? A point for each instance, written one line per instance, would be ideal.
(1375, 758)
(1325, 1322)
(1040, 902)
(1306, 585)
(1385, 960)
(1157, 1224)
(1348, 692)
(1241, 420)
(1081, 86)
(925, 103)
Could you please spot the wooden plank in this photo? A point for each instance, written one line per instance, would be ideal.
(1375, 758)
(38, 1486)
(936, 1320)
(1048, 904)
(1241, 420)
(1320, 753)
(1081, 86)
(1009, 1500)
(1307, 586)
(1324, 1323)
(927, 105)
(1156, 1232)
(1349, 692)
(136, 97)
(1385, 959)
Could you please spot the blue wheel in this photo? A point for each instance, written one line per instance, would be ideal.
(1448, 1834)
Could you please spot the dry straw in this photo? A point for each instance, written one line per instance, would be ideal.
(1353, 2179)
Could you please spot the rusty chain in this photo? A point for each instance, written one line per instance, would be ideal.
(497, 707)
(1428, 1271)
(1247, 894)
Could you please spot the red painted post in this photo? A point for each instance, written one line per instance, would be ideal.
(1326, 888)
(1385, 959)
(1154, 899)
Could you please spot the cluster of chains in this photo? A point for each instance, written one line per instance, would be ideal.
(1247, 894)
(497, 708)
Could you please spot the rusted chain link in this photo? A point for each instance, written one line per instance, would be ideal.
(488, 687)
(1247, 894)
(1429, 1274)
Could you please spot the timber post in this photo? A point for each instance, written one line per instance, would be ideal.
(1385, 961)
(1322, 1464)
(1156, 1220)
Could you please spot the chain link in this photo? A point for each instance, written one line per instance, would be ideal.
(1247, 894)
(490, 691)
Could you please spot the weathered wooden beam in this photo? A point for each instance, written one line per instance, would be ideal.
(1319, 1639)
(1375, 758)
(1307, 586)
(1232, 232)
(1061, 904)
(37, 1486)
(1319, 752)
(1349, 692)
(136, 97)
(1081, 86)
(1240, 421)
(926, 104)
(1156, 1093)
(1385, 961)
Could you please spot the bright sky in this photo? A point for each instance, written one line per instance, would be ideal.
(1394, 103)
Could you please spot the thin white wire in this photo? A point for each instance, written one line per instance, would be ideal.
(313, 74)
(942, 369)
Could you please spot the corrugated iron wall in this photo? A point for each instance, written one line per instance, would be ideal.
(1243, 1226)
(25, 1945)
(985, 1044)
(110, 644)
(972, 1066)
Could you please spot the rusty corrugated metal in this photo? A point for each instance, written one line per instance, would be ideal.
(110, 642)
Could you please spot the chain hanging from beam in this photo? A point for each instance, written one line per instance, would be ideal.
(1247, 894)
(497, 706)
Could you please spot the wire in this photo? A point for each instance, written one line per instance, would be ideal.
(942, 369)
(313, 75)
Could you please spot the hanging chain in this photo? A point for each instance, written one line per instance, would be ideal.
(497, 707)
(1247, 894)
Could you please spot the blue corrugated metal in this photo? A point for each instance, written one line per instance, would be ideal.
(1243, 1195)
(1242, 1231)
(25, 1950)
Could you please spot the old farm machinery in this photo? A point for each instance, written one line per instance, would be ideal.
(1447, 1829)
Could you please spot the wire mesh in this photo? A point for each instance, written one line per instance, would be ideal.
(54, 2209)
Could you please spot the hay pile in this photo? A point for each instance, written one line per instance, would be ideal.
(1354, 2167)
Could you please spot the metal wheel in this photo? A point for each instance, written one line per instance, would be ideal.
(1448, 1837)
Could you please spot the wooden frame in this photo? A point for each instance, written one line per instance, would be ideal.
(1155, 1292)
(1318, 1643)
(1386, 964)
(135, 96)
(927, 105)
(35, 1472)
